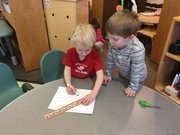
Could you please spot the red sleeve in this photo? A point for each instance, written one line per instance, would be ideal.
(97, 60)
(68, 57)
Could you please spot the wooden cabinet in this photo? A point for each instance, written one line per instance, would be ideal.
(103, 9)
(62, 16)
(170, 9)
(169, 63)
(27, 19)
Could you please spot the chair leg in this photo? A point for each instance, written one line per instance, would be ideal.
(11, 51)
(152, 41)
(2, 51)
(3, 44)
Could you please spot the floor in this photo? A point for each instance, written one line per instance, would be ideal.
(35, 85)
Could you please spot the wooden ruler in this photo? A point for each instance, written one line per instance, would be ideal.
(63, 109)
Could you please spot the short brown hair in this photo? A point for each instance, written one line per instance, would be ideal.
(123, 23)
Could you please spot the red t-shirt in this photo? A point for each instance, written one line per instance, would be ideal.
(85, 68)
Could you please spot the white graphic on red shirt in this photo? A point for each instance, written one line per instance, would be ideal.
(80, 68)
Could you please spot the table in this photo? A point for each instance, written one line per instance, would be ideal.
(114, 113)
(148, 19)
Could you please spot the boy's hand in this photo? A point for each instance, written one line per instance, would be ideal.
(71, 90)
(129, 92)
(88, 99)
(107, 79)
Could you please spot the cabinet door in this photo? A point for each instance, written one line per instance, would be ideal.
(62, 17)
(29, 23)
(108, 10)
(103, 9)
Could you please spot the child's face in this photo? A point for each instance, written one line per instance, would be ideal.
(83, 52)
(118, 41)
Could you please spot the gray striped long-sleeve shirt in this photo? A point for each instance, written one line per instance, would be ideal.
(130, 62)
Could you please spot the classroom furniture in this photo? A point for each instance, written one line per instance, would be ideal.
(148, 31)
(51, 65)
(114, 113)
(6, 32)
(27, 19)
(170, 9)
(9, 89)
(148, 19)
(2, 52)
(170, 63)
(102, 10)
(62, 16)
(142, 5)
(149, 26)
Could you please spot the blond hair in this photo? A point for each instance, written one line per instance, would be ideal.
(123, 23)
(84, 36)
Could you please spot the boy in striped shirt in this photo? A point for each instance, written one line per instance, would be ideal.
(125, 51)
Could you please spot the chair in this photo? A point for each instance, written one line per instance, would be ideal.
(149, 31)
(150, 10)
(51, 65)
(9, 89)
(5, 32)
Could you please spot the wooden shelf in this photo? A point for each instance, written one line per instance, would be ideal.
(177, 18)
(160, 87)
(169, 63)
(175, 99)
(175, 57)
(163, 28)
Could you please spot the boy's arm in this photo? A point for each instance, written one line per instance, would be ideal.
(91, 97)
(67, 75)
(98, 83)
(109, 62)
(137, 69)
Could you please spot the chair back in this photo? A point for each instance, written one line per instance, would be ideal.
(51, 65)
(9, 89)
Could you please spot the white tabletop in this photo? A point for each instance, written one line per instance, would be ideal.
(114, 113)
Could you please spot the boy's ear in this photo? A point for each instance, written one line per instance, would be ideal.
(131, 37)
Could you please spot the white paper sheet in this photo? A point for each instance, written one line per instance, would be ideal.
(62, 98)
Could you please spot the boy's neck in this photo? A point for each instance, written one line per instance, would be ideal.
(81, 58)
(130, 40)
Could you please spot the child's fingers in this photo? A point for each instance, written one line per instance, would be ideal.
(129, 93)
(107, 79)
(70, 91)
(87, 100)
